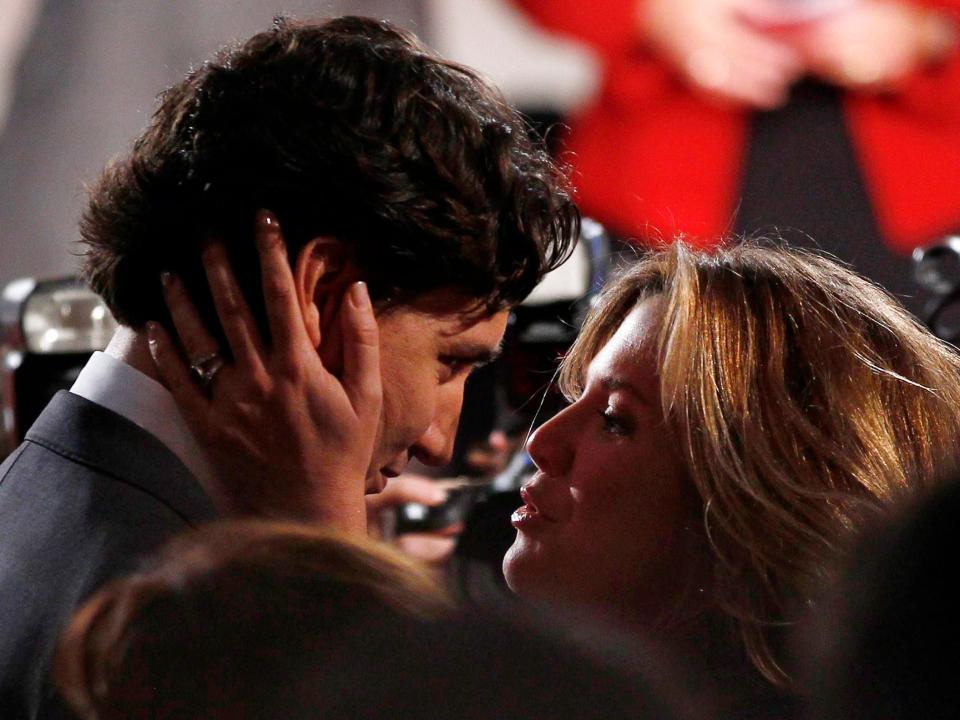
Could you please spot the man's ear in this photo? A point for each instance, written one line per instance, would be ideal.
(323, 271)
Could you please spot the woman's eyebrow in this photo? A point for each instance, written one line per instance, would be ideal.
(612, 384)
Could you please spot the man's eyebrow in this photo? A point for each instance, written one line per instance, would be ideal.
(477, 355)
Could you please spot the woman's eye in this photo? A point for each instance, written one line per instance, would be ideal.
(613, 423)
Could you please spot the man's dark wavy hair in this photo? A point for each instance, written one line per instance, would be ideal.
(348, 128)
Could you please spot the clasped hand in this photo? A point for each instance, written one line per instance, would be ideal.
(747, 52)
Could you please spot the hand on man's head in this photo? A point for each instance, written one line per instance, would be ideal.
(286, 437)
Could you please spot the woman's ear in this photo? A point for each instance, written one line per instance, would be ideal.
(323, 271)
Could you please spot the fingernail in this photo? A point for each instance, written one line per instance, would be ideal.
(267, 220)
(166, 278)
(359, 296)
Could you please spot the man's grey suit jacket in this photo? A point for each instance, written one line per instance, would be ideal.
(85, 497)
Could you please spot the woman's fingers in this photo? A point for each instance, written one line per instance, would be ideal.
(197, 342)
(232, 310)
(361, 347)
(284, 316)
(176, 376)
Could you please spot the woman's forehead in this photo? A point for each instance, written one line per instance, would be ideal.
(640, 327)
(629, 356)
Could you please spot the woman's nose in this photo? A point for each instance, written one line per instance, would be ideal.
(550, 445)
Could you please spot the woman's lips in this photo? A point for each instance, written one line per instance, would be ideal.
(529, 516)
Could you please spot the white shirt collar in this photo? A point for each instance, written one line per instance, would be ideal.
(109, 382)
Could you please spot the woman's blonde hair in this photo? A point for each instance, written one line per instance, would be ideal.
(807, 402)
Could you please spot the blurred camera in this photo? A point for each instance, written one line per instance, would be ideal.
(48, 329)
(414, 517)
(937, 270)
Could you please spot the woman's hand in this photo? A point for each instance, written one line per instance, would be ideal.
(715, 47)
(285, 437)
(875, 44)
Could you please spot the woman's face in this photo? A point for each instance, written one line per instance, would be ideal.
(606, 524)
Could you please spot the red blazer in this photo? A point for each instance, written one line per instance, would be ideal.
(650, 155)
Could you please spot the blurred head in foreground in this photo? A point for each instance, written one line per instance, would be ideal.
(888, 644)
(735, 415)
(267, 620)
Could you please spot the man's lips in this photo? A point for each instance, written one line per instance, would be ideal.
(379, 481)
(376, 484)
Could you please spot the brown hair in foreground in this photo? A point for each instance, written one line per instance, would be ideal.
(807, 402)
(349, 128)
(233, 615)
(256, 621)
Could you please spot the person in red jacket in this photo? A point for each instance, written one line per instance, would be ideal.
(840, 118)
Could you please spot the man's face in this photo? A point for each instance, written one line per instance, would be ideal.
(427, 350)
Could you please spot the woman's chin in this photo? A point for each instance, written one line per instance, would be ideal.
(514, 570)
(527, 573)
(509, 567)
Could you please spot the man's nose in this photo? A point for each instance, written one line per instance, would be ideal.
(435, 445)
